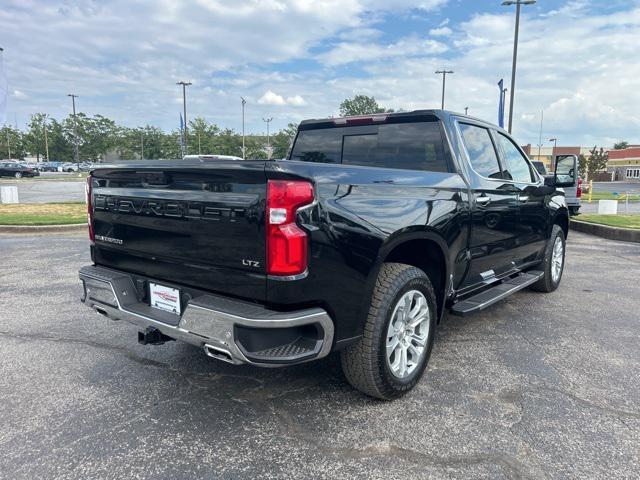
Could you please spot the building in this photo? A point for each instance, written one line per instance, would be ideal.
(545, 154)
(624, 164)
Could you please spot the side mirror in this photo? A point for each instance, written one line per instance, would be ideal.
(564, 174)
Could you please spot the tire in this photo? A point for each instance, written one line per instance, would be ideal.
(573, 211)
(366, 364)
(550, 281)
(18, 175)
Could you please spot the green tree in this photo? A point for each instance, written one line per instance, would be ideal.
(34, 141)
(596, 161)
(282, 140)
(202, 136)
(60, 146)
(621, 145)
(360, 105)
(11, 143)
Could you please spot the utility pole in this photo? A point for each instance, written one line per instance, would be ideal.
(9, 143)
(243, 148)
(75, 127)
(46, 138)
(466, 110)
(141, 145)
(268, 121)
(517, 3)
(444, 81)
(199, 149)
(184, 107)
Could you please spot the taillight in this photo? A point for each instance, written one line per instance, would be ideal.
(88, 191)
(579, 189)
(286, 242)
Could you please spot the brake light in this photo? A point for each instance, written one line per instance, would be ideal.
(579, 189)
(286, 242)
(88, 191)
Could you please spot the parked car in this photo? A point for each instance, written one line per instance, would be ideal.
(358, 243)
(68, 167)
(17, 170)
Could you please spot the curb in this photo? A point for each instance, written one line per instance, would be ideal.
(76, 227)
(612, 233)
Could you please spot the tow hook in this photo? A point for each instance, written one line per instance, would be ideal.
(153, 336)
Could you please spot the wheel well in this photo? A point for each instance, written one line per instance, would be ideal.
(562, 219)
(427, 256)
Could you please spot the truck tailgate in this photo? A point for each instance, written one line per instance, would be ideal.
(190, 223)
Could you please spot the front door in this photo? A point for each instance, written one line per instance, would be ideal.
(534, 215)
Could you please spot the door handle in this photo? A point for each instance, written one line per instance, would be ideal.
(483, 200)
(523, 198)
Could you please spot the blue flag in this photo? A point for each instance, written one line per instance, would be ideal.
(501, 104)
(182, 135)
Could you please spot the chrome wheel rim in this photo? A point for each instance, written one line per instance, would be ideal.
(557, 258)
(407, 333)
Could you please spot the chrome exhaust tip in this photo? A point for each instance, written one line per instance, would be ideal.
(218, 353)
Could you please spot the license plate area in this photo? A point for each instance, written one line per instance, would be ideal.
(164, 298)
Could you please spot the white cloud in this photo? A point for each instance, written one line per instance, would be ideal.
(270, 98)
(19, 95)
(296, 101)
(440, 32)
(345, 53)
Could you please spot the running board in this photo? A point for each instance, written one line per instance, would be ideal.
(495, 294)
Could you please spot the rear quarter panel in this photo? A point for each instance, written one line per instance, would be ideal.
(359, 210)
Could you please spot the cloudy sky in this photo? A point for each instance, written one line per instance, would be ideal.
(579, 60)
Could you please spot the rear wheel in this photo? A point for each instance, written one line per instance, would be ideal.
(553, 262)
(393, 352)
(18, 174)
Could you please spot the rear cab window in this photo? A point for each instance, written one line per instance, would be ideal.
(412, 145)
(481, 151)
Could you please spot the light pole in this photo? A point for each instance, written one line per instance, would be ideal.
(268, 121)
(75, 127)
(540, 136)
(553, 152)
(141, 145)
(466, 110)
(46, 138)
(243, 150)
(444, 81)
(517, 3)
(184, 107)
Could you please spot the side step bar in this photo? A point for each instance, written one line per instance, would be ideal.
(495, 294)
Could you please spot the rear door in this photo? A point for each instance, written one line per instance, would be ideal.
(494, 210)
(195, 224)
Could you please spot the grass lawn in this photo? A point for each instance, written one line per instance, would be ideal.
(609, 196)
(48, 178)
(43, 213)
(623, 221)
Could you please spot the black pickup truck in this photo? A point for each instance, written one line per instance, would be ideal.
(358, 243)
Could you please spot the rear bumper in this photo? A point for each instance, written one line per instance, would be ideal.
(227, 329)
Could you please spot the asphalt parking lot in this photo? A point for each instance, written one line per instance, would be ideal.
(44, 191)
(539, 386)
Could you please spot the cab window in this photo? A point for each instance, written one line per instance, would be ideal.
(515, 164)
(482, 153)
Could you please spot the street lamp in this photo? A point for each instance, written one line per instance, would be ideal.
(75, 127)
(184, 107)
(444, 80)
(553, 152)
(517, 3)
(466, 110)
(268, 121)
(243, 150)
